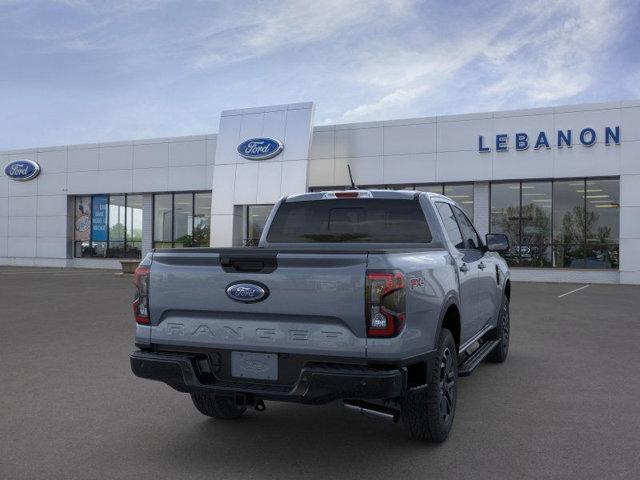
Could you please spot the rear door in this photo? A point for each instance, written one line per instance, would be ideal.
(467, 261)
(487, 284)
(314, 302)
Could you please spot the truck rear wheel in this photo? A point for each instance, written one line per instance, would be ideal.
(215, 406)
(427, 412)
(499, 353)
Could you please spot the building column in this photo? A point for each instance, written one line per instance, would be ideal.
(481, 207)
(629, 229)
(147, 223)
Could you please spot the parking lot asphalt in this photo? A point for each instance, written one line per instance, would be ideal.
(564, 405)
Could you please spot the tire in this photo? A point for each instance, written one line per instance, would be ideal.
(427, 412)
(499, 354)
(223, 408)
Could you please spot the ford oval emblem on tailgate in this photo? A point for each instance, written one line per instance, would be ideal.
(247, 292)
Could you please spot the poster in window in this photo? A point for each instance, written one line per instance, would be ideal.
(99, 218)
(83, 219)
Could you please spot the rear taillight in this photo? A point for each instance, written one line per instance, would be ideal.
(385, 303)
(141, 300)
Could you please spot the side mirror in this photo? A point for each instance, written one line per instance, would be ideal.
(497, 242)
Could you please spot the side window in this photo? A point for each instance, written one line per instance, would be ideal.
(469, 234)
(450, 224)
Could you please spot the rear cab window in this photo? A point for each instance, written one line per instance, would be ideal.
(361, 220)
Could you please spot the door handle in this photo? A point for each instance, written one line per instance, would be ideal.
(464, 268)
(482, 266)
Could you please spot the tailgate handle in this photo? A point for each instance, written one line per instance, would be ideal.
(248, 264)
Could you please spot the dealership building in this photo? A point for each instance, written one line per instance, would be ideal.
(562, 182)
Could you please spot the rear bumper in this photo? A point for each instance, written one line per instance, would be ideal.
(318, 382)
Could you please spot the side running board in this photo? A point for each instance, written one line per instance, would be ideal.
(467, 367)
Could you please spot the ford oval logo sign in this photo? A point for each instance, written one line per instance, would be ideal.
(247, 292)
(22, 170)
(260, 148)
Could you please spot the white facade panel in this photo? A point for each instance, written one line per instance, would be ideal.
(630, 121)
(150, 179)
(22, 206)
(192, 178)
(55, 247)
(83, 159)
(297, 135)
(321, 172)
(630, 157)
(358, 142)
(188, 153)
(21, 246)
(580, 161)
(79, 183)
(409, 139)
(52, 184)
(456, 136)
(51, 205)
(118, 157)
(4, 206)
(528, 163)
(23, 189)
(269, 182)
(246, 191)
(322, 145)
(115, 181)
(412, 168)
(463, 166)
(4, 226)
(53, 161)
(294, 173)
(365, 171)
(22, 227)
(52, 226)
(151, 155)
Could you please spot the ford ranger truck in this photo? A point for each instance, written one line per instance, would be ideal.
(378, 299)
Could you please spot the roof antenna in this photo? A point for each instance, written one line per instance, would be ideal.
(353, 184)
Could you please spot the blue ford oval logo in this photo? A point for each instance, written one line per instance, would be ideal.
(22, 170)
(260, 148)
(247, 292)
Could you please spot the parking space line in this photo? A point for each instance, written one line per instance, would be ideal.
(573, 291)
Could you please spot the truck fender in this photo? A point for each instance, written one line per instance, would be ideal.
(450, 299)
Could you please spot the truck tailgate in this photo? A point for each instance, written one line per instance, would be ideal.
(315, 303)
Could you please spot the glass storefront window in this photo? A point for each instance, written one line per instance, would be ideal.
(108, 226)
(535, 229)
(505, 216)
(163, 220)
(463, 194)
(201, 219)
(603, 223)
(181, 219)
(564, 223)
(134, 226)
(256, 218)
(117, 219)
(82, 226)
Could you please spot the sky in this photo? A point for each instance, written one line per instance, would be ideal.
(80, 71)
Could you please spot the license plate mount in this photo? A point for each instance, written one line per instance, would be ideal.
(252, 365)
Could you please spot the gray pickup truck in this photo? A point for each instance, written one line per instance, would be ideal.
(378, 298)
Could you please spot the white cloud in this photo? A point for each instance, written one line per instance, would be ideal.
(542, 52)
(255, 33)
